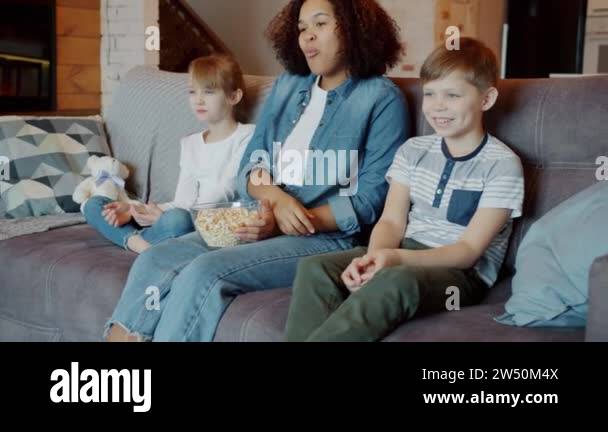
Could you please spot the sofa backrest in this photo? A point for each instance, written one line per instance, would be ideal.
(149, 115)
(559, 127)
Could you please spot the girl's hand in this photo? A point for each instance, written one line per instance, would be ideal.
(292, 217)
(146, 215)
(117, 213)
(377, 260)
(352, 276)
(261, 228)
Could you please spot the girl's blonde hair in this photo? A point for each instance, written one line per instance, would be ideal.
(220, 71)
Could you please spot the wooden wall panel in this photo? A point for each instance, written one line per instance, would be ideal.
(78, 51)
(79, 78)
(78, 22)
(78, 55)
(80, 4)
(463, 14)
(82, 101)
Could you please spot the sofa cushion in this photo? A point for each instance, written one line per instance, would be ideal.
(48, 159)
(475, 324)
(597, 323)
(552, 275)
(261, 317)
(499, 293)
(60, 285)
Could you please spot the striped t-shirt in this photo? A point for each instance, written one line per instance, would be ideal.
(446, 191)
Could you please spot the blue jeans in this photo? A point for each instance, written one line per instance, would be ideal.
(173, 223)
(179, 290)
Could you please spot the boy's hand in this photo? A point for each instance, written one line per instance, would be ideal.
(352, 276)
(117, 213)
(261, 228)
(377, 260)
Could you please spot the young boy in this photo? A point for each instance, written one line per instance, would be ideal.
(446, 222)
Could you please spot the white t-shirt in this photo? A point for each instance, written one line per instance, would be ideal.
(299, 139)
(208, 171)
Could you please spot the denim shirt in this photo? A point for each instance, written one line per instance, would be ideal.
(364, 122)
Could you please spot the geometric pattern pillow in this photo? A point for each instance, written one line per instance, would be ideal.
(47, 160)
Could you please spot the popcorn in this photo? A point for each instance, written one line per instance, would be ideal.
(215, 223)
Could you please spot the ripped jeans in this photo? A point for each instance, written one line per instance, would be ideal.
(179, 290)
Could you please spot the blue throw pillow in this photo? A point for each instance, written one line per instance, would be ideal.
(550, 287)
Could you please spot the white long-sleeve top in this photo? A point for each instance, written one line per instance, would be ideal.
(208, 171)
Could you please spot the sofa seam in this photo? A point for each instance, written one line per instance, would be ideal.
(539, 129)
(245, 326)
(49, 275)
(54, 331)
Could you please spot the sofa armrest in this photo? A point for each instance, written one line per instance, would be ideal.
(597, 320)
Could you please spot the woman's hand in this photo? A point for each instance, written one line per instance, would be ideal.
(261, 228)
(117, 213)
(146, 215)
(292, 217)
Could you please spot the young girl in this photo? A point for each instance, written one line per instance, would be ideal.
(332, 99)
(208, 166)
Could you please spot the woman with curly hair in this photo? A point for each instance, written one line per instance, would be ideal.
(331, 120)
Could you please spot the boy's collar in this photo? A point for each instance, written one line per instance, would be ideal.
(448, 155)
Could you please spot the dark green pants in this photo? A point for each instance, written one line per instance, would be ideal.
(322, 308)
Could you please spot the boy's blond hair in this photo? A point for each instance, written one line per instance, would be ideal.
(220, 71)
(474, 59)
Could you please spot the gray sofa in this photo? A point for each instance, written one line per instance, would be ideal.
(63, 284)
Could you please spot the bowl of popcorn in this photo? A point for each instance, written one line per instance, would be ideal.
(216, 222)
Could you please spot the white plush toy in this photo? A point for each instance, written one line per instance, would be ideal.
(107, 179)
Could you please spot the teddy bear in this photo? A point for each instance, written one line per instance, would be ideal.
(107, 179)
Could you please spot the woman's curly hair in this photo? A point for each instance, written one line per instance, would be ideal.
(370, 37)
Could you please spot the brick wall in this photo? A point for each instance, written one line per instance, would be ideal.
(123, 27)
